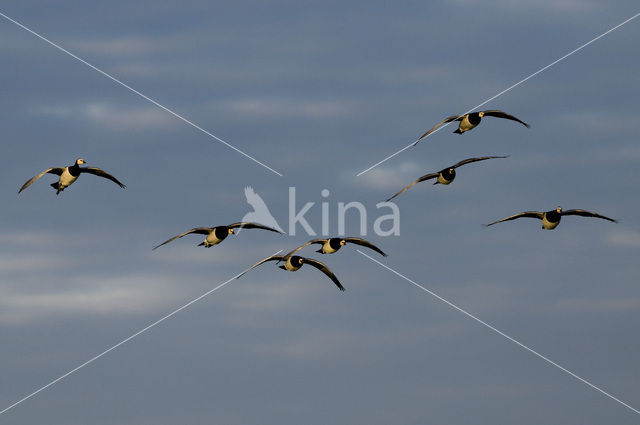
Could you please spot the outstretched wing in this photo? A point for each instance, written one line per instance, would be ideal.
(444, 121)
(324, 269)
(200, 230)
(470, 160)
(501, 114)
(584, 213)
(318, 241)
(271, 258)
(421, 179)
(529, 214)
(101, 173)
(52, 170)
(252, 226)
(362, 242)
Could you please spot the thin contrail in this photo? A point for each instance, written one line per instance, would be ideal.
(508, 88)
(175, 114)
(499, 332)
(124, 341)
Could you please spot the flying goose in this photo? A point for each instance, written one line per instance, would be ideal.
(551, 219)
(70, 174)
(293, 263)
(470, 120)
(446, 175)
(217, 234)
(331, 245)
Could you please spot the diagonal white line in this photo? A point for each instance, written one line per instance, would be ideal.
(499, 332)
(175, 114)
(509, 88)
(124, 341)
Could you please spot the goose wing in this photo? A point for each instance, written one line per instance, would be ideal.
(324, 269)
(444, 121)
(53, 170)
(200, 230)
(101, 173)
(252, 226)
(318, 241)
(584, 213)
(362, 242)
(529, 214)
(501, 114)
(421, 179)
(470, 160)
(271, 258)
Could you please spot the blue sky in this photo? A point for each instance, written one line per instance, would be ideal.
(319, 91)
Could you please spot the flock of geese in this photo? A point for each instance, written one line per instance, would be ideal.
(550, 219)
(291, 262)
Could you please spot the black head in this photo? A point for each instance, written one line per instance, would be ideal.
(221, 232)
(336, 243)
(296, 260)
(475, 117)
(448, 173)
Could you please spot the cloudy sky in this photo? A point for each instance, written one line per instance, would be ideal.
(319, 91)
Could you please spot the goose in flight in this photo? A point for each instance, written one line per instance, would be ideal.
(293, 263)
(470, 120)
(70, 174)
(331, 245)
(446, 175)
(217, 234)
(551, 219)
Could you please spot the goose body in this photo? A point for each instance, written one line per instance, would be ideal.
(551, 219)
(446, 175)
(68, 175)
(217, 234)
(293, 263)
(470, 120)
(332, 245)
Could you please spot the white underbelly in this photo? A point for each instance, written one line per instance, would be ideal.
(442, 180)
(66, 178)
(548, 225)
(465, 125)
(326, 248)
(211, 239)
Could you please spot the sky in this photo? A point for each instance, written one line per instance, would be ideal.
(319, 91)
